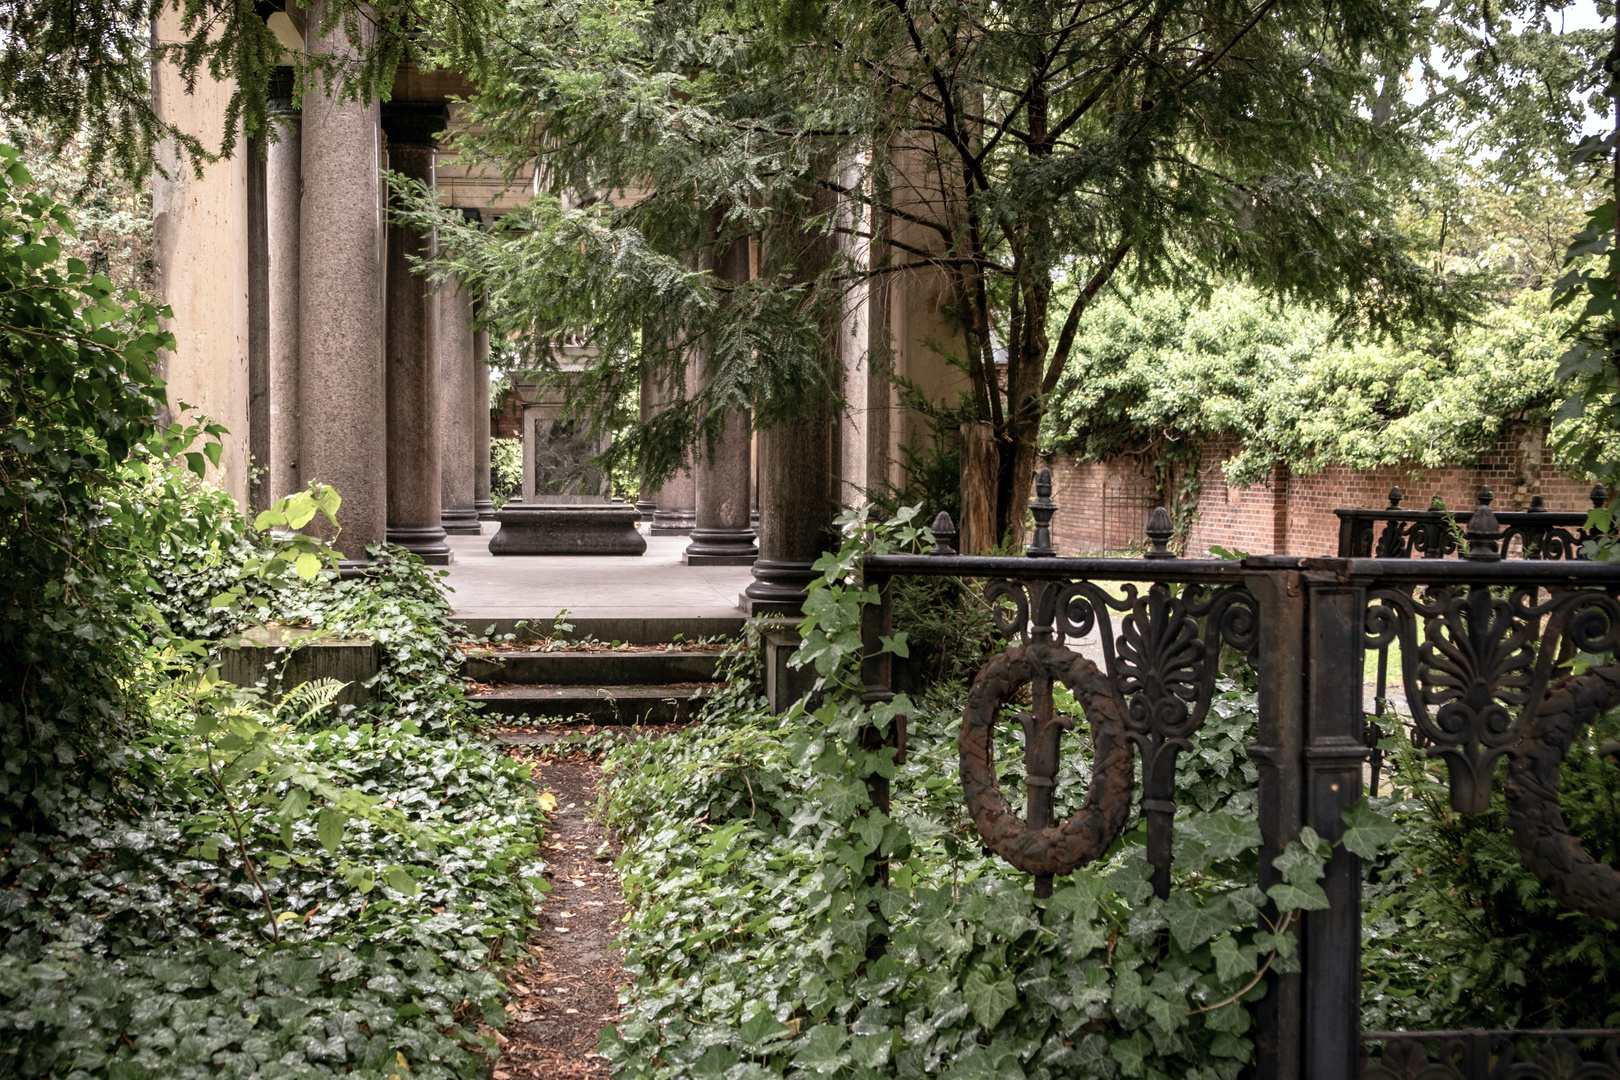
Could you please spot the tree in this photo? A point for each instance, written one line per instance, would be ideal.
(1155, 141)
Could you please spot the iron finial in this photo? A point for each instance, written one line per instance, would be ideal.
(1040, 545)
(1482, 531)
(944, 531)
(1599, 495)
(1395, 498)
(1536, 505)
(1484, 495)
(1159, 531)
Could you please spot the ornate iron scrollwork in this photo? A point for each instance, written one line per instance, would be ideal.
(1478, 688)
(1534, 811)
(1491, 1055)
(1034, 845)
(1161, 666)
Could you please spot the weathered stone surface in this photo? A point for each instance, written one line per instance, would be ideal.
(340, 365)
(283, 657)
(567, 530)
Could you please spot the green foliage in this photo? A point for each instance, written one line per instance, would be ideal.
(266, 888)
(77, 398)
(1158, 371)
(1459, 934)
(761, 944)
(506, 459)
(194, 880)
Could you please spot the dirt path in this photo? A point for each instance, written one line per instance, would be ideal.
(564, 996)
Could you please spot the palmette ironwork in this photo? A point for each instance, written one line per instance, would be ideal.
(1159, 671)
(1495, 1055)
(1485, 644)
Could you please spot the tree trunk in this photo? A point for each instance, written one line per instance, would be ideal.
(981, 467)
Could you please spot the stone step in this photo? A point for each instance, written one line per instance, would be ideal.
(634, 630)
(597, 704)
(597, 668)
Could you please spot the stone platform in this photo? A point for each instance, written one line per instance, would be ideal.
(644, 600)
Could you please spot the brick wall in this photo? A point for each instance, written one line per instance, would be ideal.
(1294, 514)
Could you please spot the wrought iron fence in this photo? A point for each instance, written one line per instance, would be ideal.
(1482, 644)
(1436, 533)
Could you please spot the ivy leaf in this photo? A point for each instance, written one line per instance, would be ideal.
(1367, 832)
(988, 1000)
(872, 1051)
(1306, 897)
(1226, 834)
(1232, 959)
(761, 1028)
(1192, 924)
(823, 1052)
(714, 1063)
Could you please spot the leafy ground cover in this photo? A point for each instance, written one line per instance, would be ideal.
(276, 889)
(198, 879)
(760, 943)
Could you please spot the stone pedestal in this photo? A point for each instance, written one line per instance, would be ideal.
(723, 534)
(414, 449)
(341, 417)
(481, 478)
(283, 196)
(458, 515)
(607, 529)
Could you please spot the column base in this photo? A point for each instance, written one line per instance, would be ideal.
(721, 547)
(674, 522)
(485, 508)
(424, 541)
(459, 520)
(778, 587)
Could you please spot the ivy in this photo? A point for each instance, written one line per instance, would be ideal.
(760, 943)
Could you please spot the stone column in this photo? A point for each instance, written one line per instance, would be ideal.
(283, 193)
(677, 498)
(481, 481)
(647, 500)
(796, 497)
(414, 447)
(200, 260)
(723, 535)
(455, 347)
(260, 492)
(341, 416)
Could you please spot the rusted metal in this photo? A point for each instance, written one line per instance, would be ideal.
(1396, 533)
(1481, 637)
(1033, 844)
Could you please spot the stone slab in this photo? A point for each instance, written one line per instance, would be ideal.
(645, 601)
(284, 657)
(567, 530)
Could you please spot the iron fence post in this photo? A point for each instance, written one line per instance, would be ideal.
(1279, 756)
(1335, 751)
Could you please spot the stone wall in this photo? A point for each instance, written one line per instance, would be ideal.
(1293, 514)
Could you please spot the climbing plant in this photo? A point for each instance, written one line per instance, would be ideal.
(763, 941)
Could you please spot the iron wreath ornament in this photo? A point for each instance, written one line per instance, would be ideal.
(1035, 846)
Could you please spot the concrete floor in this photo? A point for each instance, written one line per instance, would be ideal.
(627, 598)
